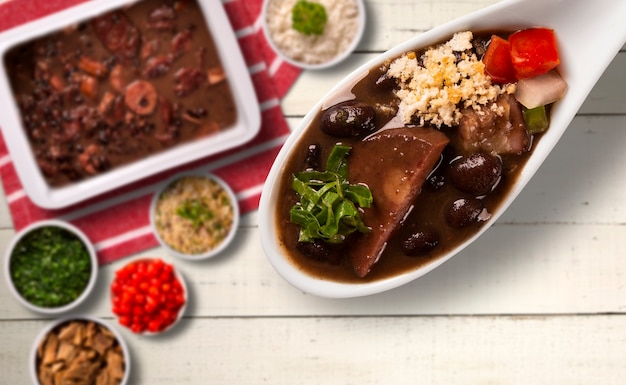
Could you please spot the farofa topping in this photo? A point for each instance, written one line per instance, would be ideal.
(194, 215)
(449, 78)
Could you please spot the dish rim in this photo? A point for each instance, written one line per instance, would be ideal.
(246, 127)
(480, 20)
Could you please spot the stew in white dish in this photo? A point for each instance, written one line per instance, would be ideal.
(119, 87)
(417, 155)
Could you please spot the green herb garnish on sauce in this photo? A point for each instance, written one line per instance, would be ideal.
(196, 211)
(50, 267)
(328, 207)
(308, 17)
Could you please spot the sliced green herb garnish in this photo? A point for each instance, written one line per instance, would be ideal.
(196, 211)
(50, 267)
(308, 17)
(328, 207)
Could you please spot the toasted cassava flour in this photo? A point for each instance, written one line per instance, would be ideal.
(449, 78)
(194, 215)
(340, 31)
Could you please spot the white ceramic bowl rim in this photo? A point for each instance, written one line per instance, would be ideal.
(47, 329)
(246, 127)
(225, 242)
(575, 41)
(334, 61)
(92, 255)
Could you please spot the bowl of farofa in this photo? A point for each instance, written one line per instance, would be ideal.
(313, 34)
(194, 215)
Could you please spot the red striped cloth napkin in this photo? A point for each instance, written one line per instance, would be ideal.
(118, 222)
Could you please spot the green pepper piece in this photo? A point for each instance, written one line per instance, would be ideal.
(536, 119)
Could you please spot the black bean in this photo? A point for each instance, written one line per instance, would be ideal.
(314, 250)
(148, 128)
(420, 242)
(348, 119)
(464, 211)
(103, 137)
(197, 112)
(479, 46)
(313, 157)
(435, 182)
(476, 174)
(385, 83)
(102, 163)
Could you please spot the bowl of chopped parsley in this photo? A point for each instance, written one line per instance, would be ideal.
(194, 215)
(51, 266)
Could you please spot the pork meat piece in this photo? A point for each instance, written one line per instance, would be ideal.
(393, 164)
(118, 35)
(495, 133)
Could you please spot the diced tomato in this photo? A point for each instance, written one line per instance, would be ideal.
(139, 296)
(137, 327)
(154, 326)
(533, 52)
(125, 320)
(497, 61)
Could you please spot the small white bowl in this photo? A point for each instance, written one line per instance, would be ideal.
(182, 309)
(210, 252)
(83, 318)
(92, 255)
(340, 56)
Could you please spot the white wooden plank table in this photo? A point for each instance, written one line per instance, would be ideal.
(540, 299)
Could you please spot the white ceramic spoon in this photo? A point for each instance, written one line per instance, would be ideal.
(589, 33)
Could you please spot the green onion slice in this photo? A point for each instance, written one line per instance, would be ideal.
(329, 205)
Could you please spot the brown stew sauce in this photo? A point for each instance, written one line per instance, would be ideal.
(120, 87)
(430, 206)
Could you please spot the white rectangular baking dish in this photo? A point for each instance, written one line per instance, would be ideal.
(247, 124)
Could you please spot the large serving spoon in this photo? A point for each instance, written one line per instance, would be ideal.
(590, 34)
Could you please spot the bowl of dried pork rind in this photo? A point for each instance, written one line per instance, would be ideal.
(79, 350)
